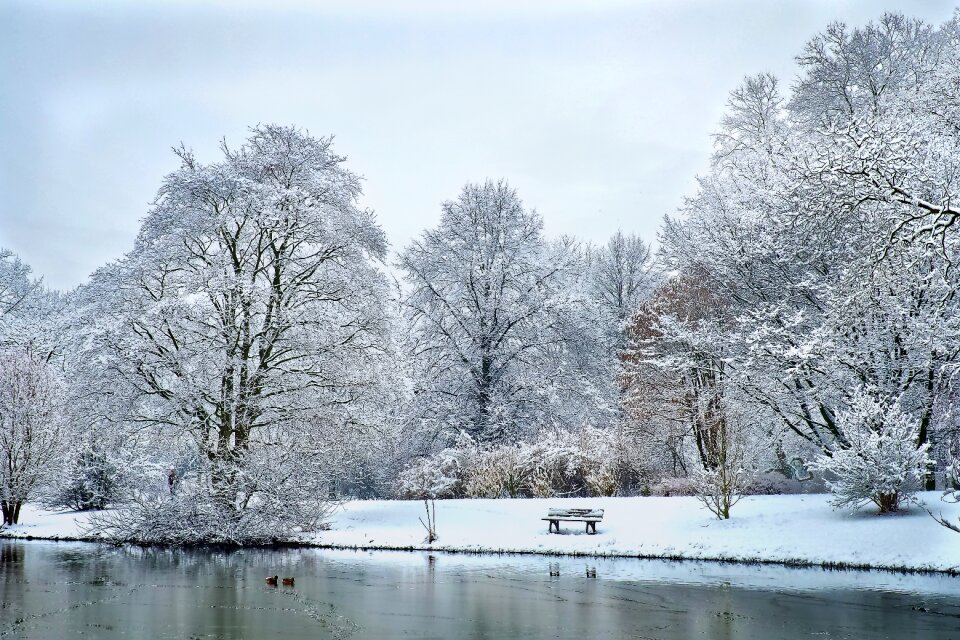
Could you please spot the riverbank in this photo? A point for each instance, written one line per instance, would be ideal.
(796, 530)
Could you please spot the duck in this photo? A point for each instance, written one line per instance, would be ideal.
(272, 580)
(288, 582)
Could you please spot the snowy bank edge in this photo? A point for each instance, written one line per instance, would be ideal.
(479, 550)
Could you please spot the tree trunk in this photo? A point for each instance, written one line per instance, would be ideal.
(485, 384)
(888, 502)
(11, 511)
(929, 476)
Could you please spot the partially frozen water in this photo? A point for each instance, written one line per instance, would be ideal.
(76, 590)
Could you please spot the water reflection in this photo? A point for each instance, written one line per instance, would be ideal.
(67, 590)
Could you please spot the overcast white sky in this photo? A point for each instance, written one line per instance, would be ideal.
(599, 113)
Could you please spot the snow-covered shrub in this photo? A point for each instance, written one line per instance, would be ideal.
(90, 481)
(586, 462)
(556, 464)
(573, 463)
(264, 502)
(880, 462)
(774, 484)
(603, 466)
(544, 482)
(601, 479)
(187, 518)
(500, 472)
(668, 487)
(438, 476)
(951, 472)
(952, 492)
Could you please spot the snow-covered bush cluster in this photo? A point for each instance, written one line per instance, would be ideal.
(585, 462)
(440, 475)
(248, 361)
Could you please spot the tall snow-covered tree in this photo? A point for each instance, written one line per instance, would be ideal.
(27, 308)
(622, 274)
(864, 70)
(825, 225)
(675, 374)
(494, 315)
(249, 324)
(31, 427)
(15, 283)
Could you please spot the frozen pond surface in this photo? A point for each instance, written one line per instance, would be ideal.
(74, 590)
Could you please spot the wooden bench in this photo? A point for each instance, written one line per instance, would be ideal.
(589, 516)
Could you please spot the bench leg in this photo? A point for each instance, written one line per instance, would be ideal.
(593, 526)
(551, 524)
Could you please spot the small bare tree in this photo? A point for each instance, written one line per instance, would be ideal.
(30, 426)
(721, 484)
(431, 524)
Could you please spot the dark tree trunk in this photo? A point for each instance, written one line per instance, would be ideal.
(483, 430)
(888, 502)
(11, 511)
(929, 477)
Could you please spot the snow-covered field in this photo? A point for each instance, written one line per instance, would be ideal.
(796, 529)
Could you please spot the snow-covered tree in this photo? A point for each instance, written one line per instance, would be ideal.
(37, 321)
(722, 485)
(849, 72)
(679, 392)
(495, 323)
(880, 461)
(31, 427)
(247, 329)
(675, 371)
(623, 274)
(824, 225)
(15, 283)
(27, 308)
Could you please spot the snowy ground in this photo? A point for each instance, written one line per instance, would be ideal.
(798, 529)
(36, 522)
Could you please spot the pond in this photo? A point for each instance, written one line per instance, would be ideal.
(74, 590)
